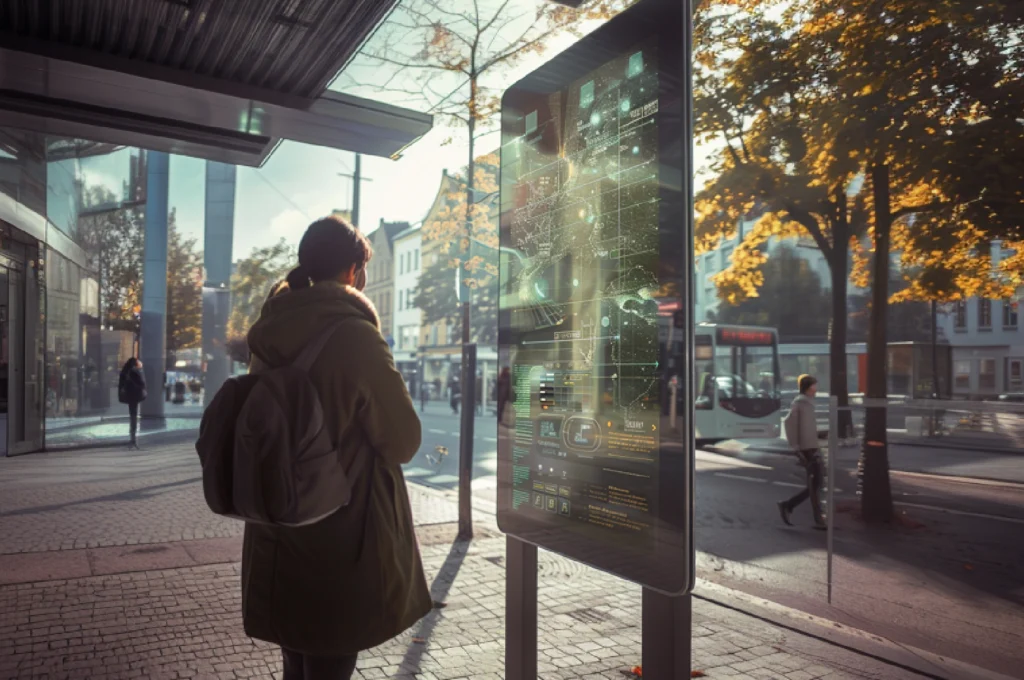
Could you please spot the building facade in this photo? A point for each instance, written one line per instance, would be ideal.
(380, 281)
(988, 344)
(984, 336)
(407, 265)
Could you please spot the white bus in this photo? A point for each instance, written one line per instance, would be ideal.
(738, 390)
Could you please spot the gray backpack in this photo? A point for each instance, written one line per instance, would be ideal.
(267, 454)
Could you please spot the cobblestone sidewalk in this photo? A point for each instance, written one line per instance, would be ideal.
(122, 620)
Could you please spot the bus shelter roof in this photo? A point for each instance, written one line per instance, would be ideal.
(225, 80)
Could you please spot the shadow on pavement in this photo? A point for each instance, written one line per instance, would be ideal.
(130, 495)
(439, 589)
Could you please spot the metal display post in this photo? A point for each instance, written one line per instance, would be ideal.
(520, 610)
(466, 441)
(666, 642)
(833, 451)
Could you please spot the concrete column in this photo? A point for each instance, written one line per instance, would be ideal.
(153, 335)
(217, 249)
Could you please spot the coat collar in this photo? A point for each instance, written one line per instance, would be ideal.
(324, 291)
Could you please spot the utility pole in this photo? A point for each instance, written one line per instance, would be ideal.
(357, 181)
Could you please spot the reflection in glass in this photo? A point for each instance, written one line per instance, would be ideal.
(880, 146)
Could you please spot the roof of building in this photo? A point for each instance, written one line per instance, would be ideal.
(408, 232)
(393, 229)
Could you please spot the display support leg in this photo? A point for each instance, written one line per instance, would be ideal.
(666, 638)
(520, 610)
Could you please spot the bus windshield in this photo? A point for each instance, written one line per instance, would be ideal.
(745, 369)
(746, 372)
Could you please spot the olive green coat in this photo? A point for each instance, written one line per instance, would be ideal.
(353, 580)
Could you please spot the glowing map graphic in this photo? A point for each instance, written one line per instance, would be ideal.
(583, 239)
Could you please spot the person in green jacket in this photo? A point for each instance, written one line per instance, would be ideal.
(327, 591)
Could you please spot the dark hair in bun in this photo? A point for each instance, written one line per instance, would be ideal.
(329, 247)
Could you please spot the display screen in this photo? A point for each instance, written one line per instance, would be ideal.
(584, 228)
(581, 282)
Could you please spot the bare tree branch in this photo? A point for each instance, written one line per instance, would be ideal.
(440, 10)
(497, 13)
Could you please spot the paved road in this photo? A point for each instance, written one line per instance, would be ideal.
(998, 465)
(947, 580)
(441, 429)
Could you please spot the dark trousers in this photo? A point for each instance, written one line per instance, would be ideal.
(305, 667)
(133, 415)
(812, 464)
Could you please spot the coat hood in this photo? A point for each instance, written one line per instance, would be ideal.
(290, 319)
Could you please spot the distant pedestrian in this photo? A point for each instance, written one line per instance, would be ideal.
(424, 396)
(503, 395)
(455, 396)
(131, 390)
(802, 435)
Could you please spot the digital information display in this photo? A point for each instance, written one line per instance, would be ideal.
(593, 248)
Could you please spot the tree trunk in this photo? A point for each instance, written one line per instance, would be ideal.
(470, 182)
(873, 469)
(838, 269)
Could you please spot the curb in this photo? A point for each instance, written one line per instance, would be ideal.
(913, 659)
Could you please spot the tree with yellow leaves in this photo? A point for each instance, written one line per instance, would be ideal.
(471, 260)
(899, 118)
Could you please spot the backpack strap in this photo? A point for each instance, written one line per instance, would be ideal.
(312, 352)
(305, 362)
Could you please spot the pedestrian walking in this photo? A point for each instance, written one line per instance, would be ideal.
(131, 390)
(801, 427)
(326, 591)
(455, 395)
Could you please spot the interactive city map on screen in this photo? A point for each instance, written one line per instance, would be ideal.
(580, 256)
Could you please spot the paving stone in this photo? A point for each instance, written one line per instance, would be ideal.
(143, 618)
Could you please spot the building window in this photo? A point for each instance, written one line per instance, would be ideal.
(410, 298)
(1009, 314)
(416, 260)
(400, 300)
(433, 335)
(960, 314)
(984, 313)
(962, 374)
(1015, 375)
(726, 257)
(407, 337)
(987, 374)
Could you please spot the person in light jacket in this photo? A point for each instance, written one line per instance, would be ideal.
(802, 435)
(327, 591)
